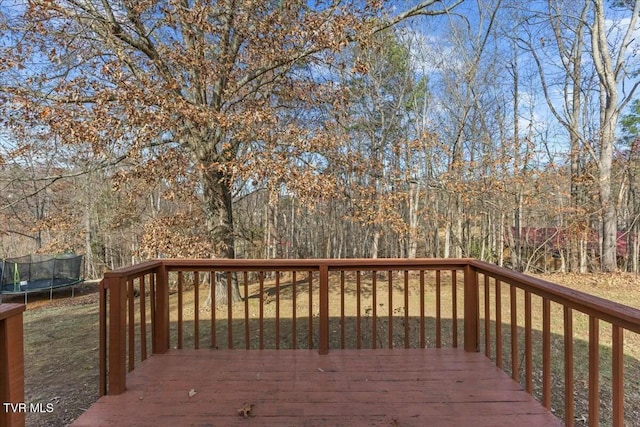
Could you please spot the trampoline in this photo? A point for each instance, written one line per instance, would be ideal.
(39, 273)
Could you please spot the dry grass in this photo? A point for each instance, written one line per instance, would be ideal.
(61, 337)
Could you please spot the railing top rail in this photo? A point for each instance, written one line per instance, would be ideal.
(134, 270)
(10, 310)
(610, 311)
(315, 263)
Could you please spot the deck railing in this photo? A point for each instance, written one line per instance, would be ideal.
(13, 411)
(364, 303)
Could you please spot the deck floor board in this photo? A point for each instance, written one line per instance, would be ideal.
(432, 387)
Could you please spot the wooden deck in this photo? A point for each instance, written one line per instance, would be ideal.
(432, 387)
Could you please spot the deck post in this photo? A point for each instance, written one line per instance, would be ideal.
(11, 363)
(471, 310)
(117, 334)
(323, 329)
(103, 289)
(161, 315)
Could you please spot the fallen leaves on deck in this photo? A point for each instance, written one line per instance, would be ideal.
(246, 409)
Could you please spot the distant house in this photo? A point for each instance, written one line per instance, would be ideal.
(545, 248)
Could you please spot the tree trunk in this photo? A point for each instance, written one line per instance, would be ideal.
(609, 217)
(375, 242)
(219, 223)
(414, 202)
(609, 72)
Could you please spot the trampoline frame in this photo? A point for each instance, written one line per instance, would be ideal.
(25, 287)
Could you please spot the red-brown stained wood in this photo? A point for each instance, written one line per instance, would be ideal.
(11, 362)
(230, 311)
(433, 387)
(277, 311)
(617, 376)
(342, 323)
(438, 311)
(600, 308)
(294, 310)
(310, 322)
(471, 316)
(196, 310)
(117, 336)
(118, 284)
(487, 318)
(546, 353)
(358, 308)
(422, 296)
(102, 323)
(454, 307)
(152, 297)
(406, 309)
(245, 282)
(214, 337)
(514, 333)
(594, 372)
(161, 321)
(528, 351)
(261, 279)
(390, 309)
(143, 319)
(181, 310)
(374, 310)
(569, 410)
(323, 326)
(132, 325)
(498, 298)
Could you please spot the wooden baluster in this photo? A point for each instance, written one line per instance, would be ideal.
(487, 318)
(594, 372)
(454, 308)
(498, 293)
(294, 309)
(406, 309)
(358, 308)
(374, 310)
(261, 299)
(528, 364)
(180, 309)
(196, 310)
(229, 311)
(390, 287)
(546, 353)
(245, 281)
(423, 342)
(438, 311)
(342, 314)
(617, 377)
(323, 327)
(143, 319)
(131, 325)
(569, 410)
(277, 337)
(514, 334)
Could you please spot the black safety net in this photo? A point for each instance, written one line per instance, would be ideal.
(37, 272)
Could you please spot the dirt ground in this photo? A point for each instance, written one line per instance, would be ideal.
(61, 340)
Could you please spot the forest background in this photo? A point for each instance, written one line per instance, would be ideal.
(503, 130)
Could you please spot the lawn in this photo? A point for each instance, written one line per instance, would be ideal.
(61, 338)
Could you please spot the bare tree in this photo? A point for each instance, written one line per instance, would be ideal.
(612, 67)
